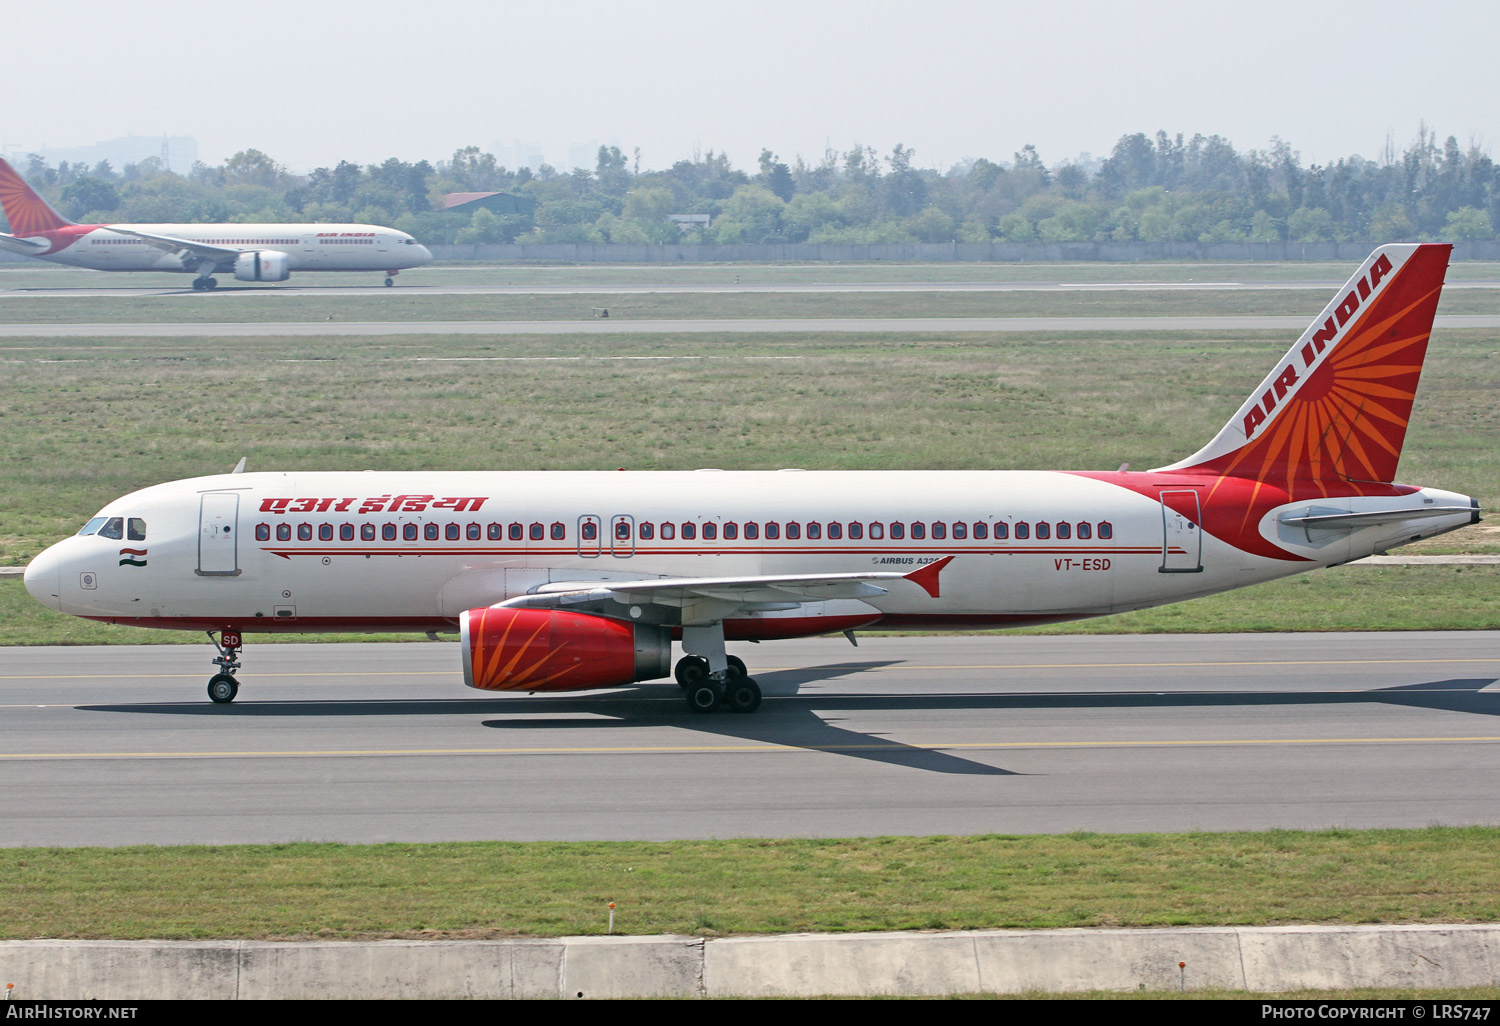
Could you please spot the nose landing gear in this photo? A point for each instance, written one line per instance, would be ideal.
(222, 687)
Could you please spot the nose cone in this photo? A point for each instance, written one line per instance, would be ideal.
(424, 255)
(43, 578)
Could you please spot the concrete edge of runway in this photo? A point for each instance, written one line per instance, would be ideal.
(1257, 959)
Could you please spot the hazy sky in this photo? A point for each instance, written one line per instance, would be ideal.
(316, 81)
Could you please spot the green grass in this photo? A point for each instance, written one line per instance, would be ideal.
(89, 420)
(226, 306)
(1355, 598)
(496, 889)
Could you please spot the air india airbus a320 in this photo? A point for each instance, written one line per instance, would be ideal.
(252, 252)
(566, 581)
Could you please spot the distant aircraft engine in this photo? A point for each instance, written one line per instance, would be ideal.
(548, 650)
(265, 265)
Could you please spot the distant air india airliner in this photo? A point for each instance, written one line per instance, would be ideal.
(563, 581)
(252, 252)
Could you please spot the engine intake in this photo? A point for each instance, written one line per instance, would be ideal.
(551, 650)
(263, 265)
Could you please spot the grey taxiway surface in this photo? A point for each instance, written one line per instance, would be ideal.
(898, 736)
(727, 326)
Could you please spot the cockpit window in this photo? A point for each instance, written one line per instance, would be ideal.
(136, 529)
(92, 527)
(115, 528)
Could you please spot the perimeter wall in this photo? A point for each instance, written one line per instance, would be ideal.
(914, 252)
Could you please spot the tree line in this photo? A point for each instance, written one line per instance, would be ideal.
(1150, 188)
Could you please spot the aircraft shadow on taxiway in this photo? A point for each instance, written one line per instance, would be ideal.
(798, 724)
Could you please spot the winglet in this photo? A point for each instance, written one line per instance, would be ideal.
(927, 576)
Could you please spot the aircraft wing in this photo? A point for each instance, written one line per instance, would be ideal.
(716, 597)
(173, 244)
(14, 245)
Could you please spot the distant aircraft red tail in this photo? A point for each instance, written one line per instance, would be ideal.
(1335, 408)
(27, 212)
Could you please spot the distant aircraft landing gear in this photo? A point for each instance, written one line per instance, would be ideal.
(222, 687)
(204, 284)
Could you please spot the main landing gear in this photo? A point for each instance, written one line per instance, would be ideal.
(204, 284)
(222, 687)
(733, 689)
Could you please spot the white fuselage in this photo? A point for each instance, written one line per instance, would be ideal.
(308, 247)
(413, 551)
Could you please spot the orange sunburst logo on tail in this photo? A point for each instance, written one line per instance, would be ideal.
(28, 213)
(1335, 416)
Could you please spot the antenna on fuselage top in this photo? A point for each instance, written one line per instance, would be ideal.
(239, 468)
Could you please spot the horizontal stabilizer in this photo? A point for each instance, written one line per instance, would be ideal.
(1382, 516)
(11, 244)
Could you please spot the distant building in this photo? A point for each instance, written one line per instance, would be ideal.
(494, 202)
(178, 152)
(687, 222)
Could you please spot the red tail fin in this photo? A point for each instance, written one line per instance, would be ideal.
(27, 212)
(1337, 405)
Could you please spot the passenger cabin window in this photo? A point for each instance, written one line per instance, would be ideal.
(814, 531)
(877, 531)
(325, 532)
(710, 532)
(1002, 531)
(538, 532)
(1106, 530)
(283, 532)
(388, 532)
(622, 530)
(1064, 530)
(752, 531)
(731, 532)
(473, 532)
(409, 532)
(689, 532)
(647, 531)
(835, 531)
(856, 530)
(960, 531)
(1043, 530)
(981, 530)
(918, 531)
(430, 532)
(346, 532)
(559, 531)
(495, 531)
(262, 532)
(516, 532)
(898, 531)
(1023, 530)
(668, 532)
(939, 531)
(590, 530)
(1085, 530)
(450, 532)
(367, 532)
(793, 531)
(304, 532)
(773, 531)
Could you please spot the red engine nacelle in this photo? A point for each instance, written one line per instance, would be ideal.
(548, 650)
